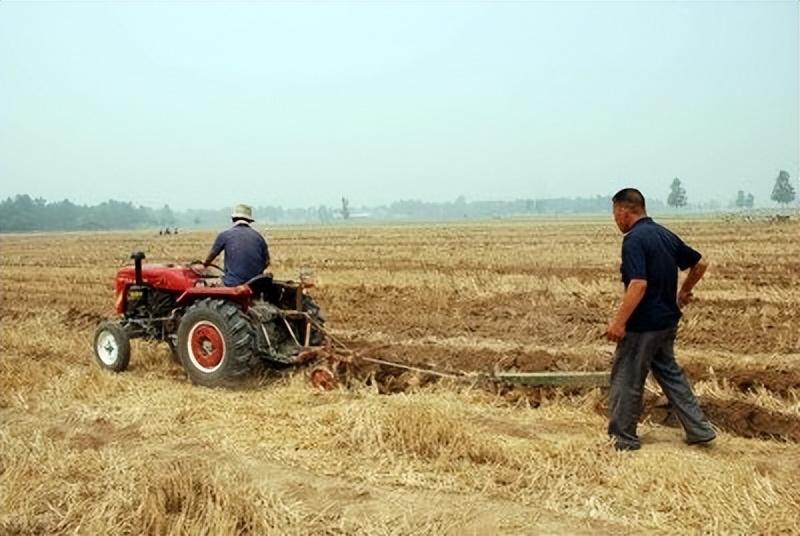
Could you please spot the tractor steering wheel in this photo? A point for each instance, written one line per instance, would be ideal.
(200, 269)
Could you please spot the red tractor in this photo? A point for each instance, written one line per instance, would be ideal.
(217, 333)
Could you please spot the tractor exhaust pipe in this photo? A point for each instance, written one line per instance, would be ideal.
(137, 257)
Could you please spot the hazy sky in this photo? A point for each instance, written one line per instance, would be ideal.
(209, 104)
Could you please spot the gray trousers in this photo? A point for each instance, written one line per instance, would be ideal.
(637, 354)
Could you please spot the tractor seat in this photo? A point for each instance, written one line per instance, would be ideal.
(261, 286)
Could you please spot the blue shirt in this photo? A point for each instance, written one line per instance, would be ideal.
(655, 254)
(246, 253)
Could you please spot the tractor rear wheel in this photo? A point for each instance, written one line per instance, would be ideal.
(215, 342)
(112, 346)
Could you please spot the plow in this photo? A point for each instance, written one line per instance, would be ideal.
(218, 334)
(337, 366)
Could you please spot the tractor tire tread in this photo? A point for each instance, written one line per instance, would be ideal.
(240, 336)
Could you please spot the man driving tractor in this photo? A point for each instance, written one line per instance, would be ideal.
(246, 251)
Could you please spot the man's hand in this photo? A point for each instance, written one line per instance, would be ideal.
(615, 331)
(695, 274)
(630, 301)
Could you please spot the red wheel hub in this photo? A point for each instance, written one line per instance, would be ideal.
(322, 378)
(207, 345)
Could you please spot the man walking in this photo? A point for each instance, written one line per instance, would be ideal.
(646, 323)
(246, 252)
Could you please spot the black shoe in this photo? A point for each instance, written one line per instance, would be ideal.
(702, 440)
(626, 446)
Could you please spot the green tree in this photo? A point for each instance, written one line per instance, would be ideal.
(677, 194)
(783, 192)
(740, 199)
(21, 214)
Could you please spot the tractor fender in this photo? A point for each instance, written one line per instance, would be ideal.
(240, 294)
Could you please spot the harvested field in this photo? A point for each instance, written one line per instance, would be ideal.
(83, 450)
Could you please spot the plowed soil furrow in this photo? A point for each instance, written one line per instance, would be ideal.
(737, 417)
(750, 420)
(748, 377)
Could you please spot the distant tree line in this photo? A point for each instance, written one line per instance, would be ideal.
(23, 213)
(461, 208)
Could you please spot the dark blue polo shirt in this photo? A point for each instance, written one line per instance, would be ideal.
(246, 253)
(654, 253)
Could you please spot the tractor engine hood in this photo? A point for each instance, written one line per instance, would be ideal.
(168, 277)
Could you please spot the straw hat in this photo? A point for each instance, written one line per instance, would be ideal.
(243, 211)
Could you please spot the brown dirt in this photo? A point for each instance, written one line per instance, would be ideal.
(744, 419)
(457, 359)
(741, 418)
(738, 417)
(748, 377)
(76, 318)
(749, 420)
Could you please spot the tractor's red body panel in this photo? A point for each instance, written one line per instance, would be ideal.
(180, 280)
(161, 276)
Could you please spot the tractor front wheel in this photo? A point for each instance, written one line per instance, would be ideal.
(215, 342)
(112, 346)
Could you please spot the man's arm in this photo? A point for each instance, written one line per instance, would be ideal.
(216, 249)
(696, 273)
(630, 301)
